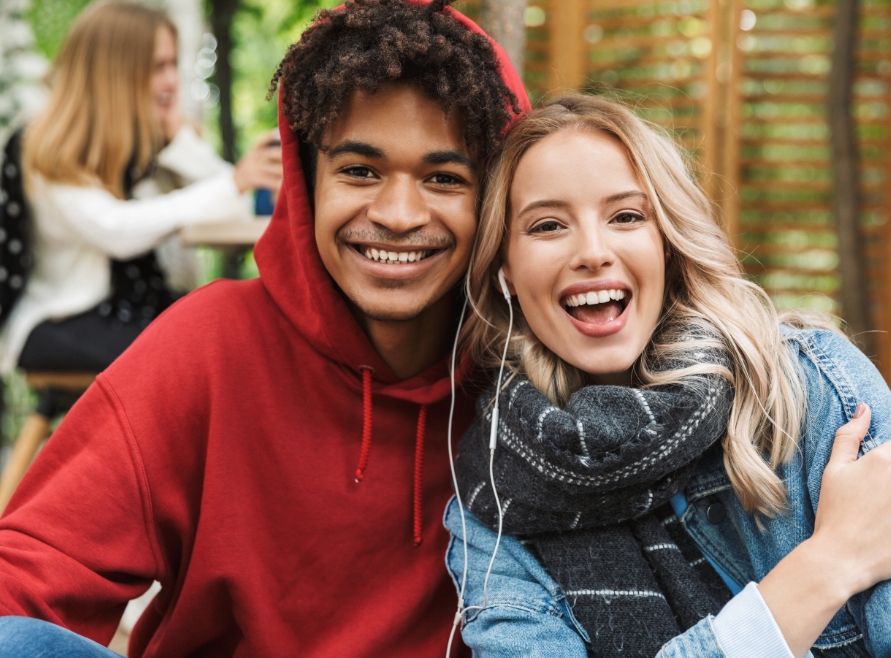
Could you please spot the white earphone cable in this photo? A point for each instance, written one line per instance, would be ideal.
(493, 434)
(492, 442)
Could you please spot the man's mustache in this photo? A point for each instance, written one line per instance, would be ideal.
(419, 238)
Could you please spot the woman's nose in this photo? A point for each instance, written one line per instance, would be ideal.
(399, 206)
(592, 250)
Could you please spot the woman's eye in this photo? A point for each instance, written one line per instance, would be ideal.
(628, 218)
(547, 226)
(358, 171)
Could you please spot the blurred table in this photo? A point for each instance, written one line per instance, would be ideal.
(225, 234)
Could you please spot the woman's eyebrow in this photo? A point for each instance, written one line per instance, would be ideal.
(543, 203)
(622, 196)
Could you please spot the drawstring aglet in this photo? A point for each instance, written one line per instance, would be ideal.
(366, 422)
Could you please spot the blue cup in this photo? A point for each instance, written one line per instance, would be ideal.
(263, 203)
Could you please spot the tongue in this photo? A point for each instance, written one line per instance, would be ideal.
(597, 313)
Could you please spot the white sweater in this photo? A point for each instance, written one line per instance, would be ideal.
(78, 230)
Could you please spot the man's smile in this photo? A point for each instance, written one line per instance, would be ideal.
(394, 255)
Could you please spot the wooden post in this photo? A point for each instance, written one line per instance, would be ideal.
(35, 430)
(504, 21)
(568, 64)
(883, 322)
(720, 114)
(710, 147)
(845, 174)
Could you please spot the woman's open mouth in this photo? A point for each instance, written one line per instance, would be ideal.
(596, 306)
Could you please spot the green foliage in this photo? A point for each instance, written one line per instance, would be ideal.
(50, 20)
(262, 31)
(19, 401)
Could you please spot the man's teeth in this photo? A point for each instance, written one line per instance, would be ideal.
(384, 256)
(594, 297)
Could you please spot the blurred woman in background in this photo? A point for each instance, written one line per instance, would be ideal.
(111, 172)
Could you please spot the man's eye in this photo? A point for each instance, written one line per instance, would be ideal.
(628, 218)
(358, 171)
(547, 226)
(445, 179)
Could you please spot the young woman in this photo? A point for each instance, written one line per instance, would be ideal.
(102, 164)
(663, 437)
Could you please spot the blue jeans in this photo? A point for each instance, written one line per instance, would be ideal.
(23, 637)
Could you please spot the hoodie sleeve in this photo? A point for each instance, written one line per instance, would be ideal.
(76, 541)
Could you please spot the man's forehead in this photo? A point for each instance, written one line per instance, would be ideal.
(397, 117)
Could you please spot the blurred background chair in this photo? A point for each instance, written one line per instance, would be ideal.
(56, 394)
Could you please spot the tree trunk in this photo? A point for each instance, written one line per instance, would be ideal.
(845, 174)
(504, 21)
(221, 15)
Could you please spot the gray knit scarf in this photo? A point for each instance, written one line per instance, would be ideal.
(588, 487)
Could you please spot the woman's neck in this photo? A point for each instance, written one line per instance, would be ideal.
(624, 378)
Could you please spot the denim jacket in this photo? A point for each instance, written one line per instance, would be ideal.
(524, 611)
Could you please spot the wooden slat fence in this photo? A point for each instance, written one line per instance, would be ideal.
(742, 84)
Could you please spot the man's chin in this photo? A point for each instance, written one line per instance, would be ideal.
(389, 315)
(393, 307)
(404, 310)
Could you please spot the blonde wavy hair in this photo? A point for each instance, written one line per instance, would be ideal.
(708, 303)
(99, 119)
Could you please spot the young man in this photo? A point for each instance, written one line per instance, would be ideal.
(274, 451)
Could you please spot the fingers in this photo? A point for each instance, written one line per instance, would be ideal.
(272, 137)
(269, 169)
(261, 167)
(849, 436)
(271, 153)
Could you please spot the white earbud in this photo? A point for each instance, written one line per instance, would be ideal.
(493, 434)
(503, 283)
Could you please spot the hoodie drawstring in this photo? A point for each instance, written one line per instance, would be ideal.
(417, 498)
(366, 422)
(419, 473)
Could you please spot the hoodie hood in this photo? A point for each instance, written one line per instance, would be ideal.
(292, 271)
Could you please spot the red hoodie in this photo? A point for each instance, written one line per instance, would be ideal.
(218, 456)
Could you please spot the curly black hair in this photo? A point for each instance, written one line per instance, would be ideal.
(368, 43)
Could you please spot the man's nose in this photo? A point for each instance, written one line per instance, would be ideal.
(399, 206)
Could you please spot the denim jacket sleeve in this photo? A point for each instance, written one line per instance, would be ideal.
(524, 611)
(839, 376)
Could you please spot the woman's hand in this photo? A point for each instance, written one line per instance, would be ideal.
(261, 166)
(849, 550)
(853, 523)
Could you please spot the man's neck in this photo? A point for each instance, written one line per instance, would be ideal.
(410, 346)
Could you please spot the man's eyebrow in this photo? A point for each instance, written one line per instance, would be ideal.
(355, 148)
(622, 196)
(450, 157)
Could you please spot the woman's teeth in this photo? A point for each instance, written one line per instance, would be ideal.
(383, 256)
(594, 297)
